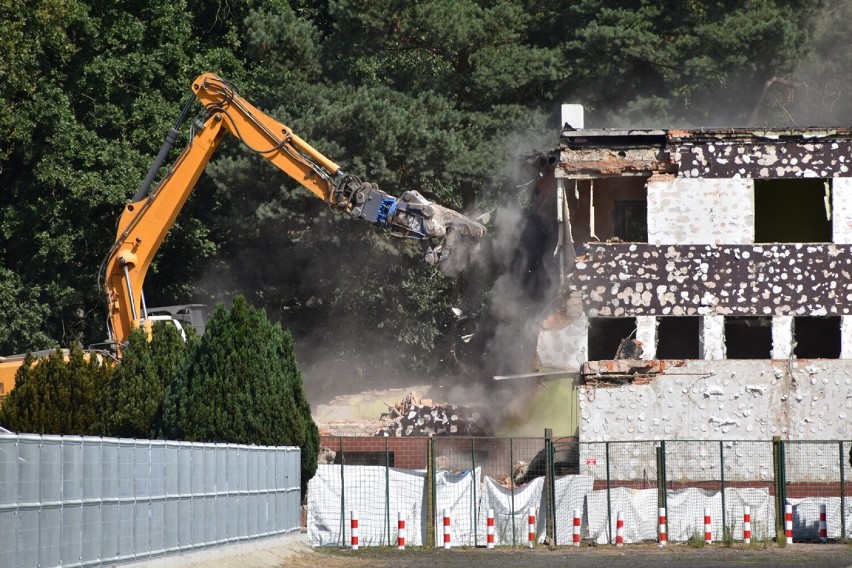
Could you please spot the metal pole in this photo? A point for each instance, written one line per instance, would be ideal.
(512, 478)
(549, 483)
(342, 495)
(430, 491)
(387, 488)
(661, 476)
(608, 497)
(842, 492)
(722, 479)
(473, 481)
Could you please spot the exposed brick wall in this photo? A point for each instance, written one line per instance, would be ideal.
(409, 453)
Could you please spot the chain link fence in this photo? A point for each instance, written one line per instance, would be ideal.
(488, 485)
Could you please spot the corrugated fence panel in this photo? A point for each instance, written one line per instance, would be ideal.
(73, 501)
(8, 498)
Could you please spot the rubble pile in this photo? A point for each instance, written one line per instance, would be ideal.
(415, 417)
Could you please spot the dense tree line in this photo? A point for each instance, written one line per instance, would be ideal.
(441, 96)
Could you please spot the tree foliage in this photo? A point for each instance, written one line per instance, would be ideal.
(133, 395)
(440, 96)
(60, 394)
(242, 385)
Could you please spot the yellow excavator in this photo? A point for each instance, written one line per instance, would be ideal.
(448, 236)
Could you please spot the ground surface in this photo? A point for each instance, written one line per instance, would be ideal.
(637, 556)
(294, 550)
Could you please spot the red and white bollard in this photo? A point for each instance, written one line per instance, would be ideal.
(788, 523)
(447, 543)
(823, 524)
(708, 526)
(576, 535)
(531, 528)
(353, 526)
(663, 538)
(489, 539)
(619, 529)
(401, 532)
(747, 524)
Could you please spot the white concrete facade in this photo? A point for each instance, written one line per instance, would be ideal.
(700, 211)
(725, 400)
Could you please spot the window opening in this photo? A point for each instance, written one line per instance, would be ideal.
(748, 337)
(679, 337)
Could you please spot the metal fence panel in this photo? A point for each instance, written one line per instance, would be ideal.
(470, 476)
(8, 497)
(94, 501)
(813, 475)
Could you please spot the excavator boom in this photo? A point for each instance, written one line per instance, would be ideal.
(148, 216)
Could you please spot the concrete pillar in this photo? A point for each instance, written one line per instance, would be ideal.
(841, 210)
(846, 337)
(782, 337)
(713, 337)
(646, 333)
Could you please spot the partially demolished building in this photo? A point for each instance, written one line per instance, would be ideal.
(706, 284)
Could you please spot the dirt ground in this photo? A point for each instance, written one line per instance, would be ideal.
(634, 556)
(293, 550)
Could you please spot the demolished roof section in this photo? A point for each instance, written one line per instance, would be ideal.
(705, 153)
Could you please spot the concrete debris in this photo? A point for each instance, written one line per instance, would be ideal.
(326, 455)
(415, 417)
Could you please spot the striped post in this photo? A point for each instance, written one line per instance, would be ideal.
(531, 527)
(663, 538)
(788, 523)
(619, 529)
(708, 526)
(353, 526)
(823, 524)
(489, 539)
(576, 535)
(447, 543)
(401, 532)
(747, 524)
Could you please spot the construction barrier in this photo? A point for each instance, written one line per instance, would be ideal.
(531, 528)
(575, 539)
(400, 530)
(740, 486)
(353, 528)
(447, 543)
(788, 523)
(708, 526)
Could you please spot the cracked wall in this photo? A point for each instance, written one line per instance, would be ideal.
(725, 400)
(701, 259)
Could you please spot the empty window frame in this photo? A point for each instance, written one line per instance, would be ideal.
(606, 336)
(679, 337)
(792, 211)
(748, 337)
(608, 209)
(817, 337)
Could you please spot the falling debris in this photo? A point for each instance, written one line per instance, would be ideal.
(415, 417)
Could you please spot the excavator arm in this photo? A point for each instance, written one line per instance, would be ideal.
(147, 217)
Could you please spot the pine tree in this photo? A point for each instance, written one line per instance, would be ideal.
(60, 394)
(133, 398)
(242, 385)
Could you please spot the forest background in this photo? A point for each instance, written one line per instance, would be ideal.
(442, 96)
